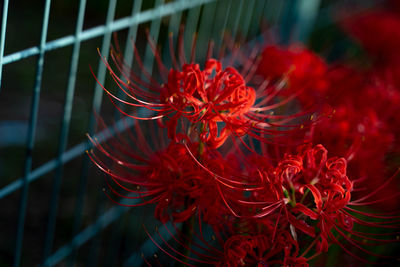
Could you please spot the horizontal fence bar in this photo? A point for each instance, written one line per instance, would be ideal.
(117, 25)
(66, 157)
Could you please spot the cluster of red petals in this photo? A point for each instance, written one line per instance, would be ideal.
(361, 107)
(302, 205)
(169, 178)
(362, 135)
(273, 203)
(260, 250)
(209, 96)
(306, 194)
(363, 127)
(289, 184)
(329, 185)
(207, 104)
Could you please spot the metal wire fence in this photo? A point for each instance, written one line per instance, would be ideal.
(52, 210)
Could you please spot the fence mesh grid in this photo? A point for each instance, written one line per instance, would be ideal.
(49, 98)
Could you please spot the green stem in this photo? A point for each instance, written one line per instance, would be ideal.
(293, 197)
(304, 196)
(187, 232)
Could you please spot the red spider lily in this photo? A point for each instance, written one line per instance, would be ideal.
(241, 188)
(261, 214)
(321, 202)
(167, 176)
(176, 177)
(311, 193)
(363, 139)
(210, 96)
(246, 249)
(362, 126)
(379, 94)
(260, 250)
(208, 104)
(274, 207)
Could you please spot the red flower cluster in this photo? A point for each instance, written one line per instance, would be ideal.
(216, 102)
(275, 198)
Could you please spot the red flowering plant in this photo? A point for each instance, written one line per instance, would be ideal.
(361, 108)
(225, 158)
(361, 128)
(206, 104)
(303, 206)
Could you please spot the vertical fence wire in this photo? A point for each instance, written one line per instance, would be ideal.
(96, 106)
(3, 36)
(257, 18)
(174, 22)
(246, 16)
(31, 137)
(117, 231)
(128, 53)
(236, 18)
(190, 28)
(154, 34)
(173, 30)
(273, 11)
(221, 22)
(63, 138)
(148, 63)
(203, 35)
(100, 223)
(116, 235)
(82, 185)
